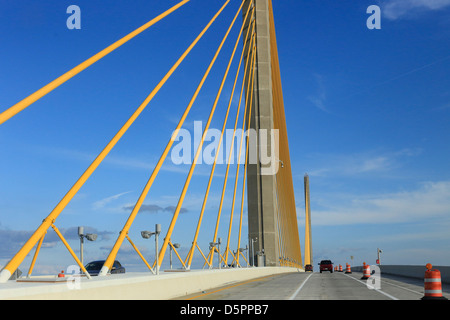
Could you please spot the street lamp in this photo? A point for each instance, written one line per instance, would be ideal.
(379, 251)
(89, 236)
(175, 245)
(244, 249)
(253, 250)
(213, 244)
(147, 235)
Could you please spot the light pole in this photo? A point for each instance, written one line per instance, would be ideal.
(89, 236)
(253, 250)
(175, 245)
(147, 235)
(213, 244)
(242, 250)
(378, 256)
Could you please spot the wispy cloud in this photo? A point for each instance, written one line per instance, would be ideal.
(396, 9)
(153, 208)
(103, 202)
(359, 163)
(12, 240)
(319, 99)
(430, 200)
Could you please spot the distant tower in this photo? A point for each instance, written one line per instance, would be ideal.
(308, 245)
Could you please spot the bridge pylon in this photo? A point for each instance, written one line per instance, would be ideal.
(272, 223)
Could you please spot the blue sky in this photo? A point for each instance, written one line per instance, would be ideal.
(367, 116)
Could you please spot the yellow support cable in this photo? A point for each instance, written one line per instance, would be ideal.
(245, 173)
(246, 155)
(237, 175)
(285, 192)
(18, 258)
(194, 243)
(110, 260)
(199, 149)
(18, 107)
(228, 167)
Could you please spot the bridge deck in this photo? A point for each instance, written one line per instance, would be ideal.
(166, 285)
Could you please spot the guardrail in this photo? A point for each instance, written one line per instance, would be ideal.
(410, 271)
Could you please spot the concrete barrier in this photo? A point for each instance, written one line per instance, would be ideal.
(410, 271)
(167, 285)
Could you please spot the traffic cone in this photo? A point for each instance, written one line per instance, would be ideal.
(340, 268)
(348, 269)
(366, 271)
(432, 284)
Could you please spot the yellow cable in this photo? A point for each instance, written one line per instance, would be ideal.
(229, 158)
(111, 257)
(194, 242)
(18, 258)
(199, 149)
(18, 107)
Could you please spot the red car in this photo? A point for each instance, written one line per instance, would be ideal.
(326, 265)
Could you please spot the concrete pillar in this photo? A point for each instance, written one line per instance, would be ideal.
(261, 186)
(308, 243)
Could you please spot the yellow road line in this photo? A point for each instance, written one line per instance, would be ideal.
(229, 287)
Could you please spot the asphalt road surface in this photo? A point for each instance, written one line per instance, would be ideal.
(318, 286)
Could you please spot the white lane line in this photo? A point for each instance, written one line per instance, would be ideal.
(378, 290)
(396, 285)
(299, 288)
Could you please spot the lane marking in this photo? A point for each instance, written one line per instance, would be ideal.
(396, 285)
(378, 290)
(299, 288)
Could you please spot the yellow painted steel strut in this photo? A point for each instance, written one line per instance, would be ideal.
(18, 107)
(71, 251)
(194, 242)
(30, 270)
(18, 258)
(111, 257)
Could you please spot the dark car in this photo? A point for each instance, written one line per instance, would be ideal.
(309, 268)
(94, 267)
(326, 265)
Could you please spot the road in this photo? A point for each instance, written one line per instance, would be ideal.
(317, 286)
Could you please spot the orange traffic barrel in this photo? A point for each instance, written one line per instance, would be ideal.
(432, 284)
(348, 269)
(340, 268)
(366, 271)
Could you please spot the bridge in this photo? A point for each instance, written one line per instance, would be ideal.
(273, 237)
(258, 254)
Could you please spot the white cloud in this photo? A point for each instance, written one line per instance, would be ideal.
(430, 201)
(320, 98)
(103, 202)
(395, 9)
(359, 163)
